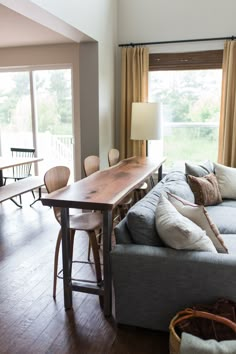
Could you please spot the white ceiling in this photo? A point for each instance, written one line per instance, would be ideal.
(17, 30)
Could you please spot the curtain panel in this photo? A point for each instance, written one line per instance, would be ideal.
(227, 130)
(134, 88)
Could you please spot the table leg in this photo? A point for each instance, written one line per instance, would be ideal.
(107, 233)
(160, 173)
(66, 259)
(1, 178)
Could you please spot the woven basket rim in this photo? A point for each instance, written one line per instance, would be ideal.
(172, 328)
(175, 340)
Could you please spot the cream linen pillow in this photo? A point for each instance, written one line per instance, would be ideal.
(179, 232)
(199, 215)
(226, 177)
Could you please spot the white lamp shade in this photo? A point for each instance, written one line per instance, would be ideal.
(146, 121)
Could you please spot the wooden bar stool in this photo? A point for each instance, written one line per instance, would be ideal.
(54, 179)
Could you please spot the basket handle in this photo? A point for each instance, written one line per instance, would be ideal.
(189, 313)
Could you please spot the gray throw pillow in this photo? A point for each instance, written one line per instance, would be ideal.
(141, 224)
(200, 170)
(140, 219)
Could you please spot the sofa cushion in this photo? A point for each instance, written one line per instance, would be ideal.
(140, 220)
(175, 182)
(224, 217)
(198, 214)
(226, 177)
(205, 189)
(141, 216)
(200, 170)
(228, 203)
(179, 232)
(230, 242)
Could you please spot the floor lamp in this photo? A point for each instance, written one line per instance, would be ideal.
(146, 122)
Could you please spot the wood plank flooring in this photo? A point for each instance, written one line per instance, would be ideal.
(30, 320)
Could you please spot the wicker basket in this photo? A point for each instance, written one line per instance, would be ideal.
(174, 340)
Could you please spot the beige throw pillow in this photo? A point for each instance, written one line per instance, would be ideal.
(199, 215)
(179, 232)
(205, 189)
(226, 177)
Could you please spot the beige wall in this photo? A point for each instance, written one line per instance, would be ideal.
(89, 102)
(98, 20)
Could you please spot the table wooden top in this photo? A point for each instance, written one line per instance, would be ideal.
(103, 190)
(7, 162)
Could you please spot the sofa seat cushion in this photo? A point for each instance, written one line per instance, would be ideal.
(141, 216)
(228, 203)
(230, 242)
(224, 217)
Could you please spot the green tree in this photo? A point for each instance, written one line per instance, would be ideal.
(9, 98)
(59, 87)
(184, 94)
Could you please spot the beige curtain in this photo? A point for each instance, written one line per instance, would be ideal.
(134, 88)
(227, 131)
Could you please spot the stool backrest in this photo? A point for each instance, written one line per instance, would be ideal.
(113, 157)
(55, 178)
(91, 164)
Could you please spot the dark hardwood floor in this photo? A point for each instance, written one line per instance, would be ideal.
(30, 320)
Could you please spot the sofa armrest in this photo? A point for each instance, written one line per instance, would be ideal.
(153, 283)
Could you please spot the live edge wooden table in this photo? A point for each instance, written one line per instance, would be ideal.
(102, 191)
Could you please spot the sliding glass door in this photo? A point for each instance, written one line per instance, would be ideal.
(15, 111)
(53, 109)
(36, 111)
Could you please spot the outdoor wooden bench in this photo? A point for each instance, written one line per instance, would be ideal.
(9, 191)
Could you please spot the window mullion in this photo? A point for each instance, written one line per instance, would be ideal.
(34, 115)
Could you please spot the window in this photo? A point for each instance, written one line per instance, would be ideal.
(188, 85)
(48, 127)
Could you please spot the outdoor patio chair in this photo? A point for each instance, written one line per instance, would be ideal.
(22, 171)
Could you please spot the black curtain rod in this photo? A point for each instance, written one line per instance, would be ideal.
(177, 41)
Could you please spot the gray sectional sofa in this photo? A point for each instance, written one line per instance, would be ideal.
(153, 282)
